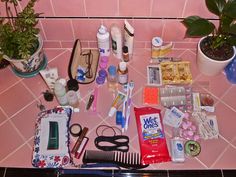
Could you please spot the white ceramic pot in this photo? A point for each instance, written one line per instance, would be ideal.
(28, 65)
(208, 66)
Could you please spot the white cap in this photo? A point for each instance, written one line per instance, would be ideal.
(112, 111)
(102, 29)
(122, 66)
(157, 41)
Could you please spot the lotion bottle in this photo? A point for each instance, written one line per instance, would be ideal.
(122, 73)
(103, 38)
(116, 38)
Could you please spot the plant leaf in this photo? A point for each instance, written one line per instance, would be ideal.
(230, 9)
(215, 6)
(189, 20)
(232, 40)
(232, 29)
(199, 28)
(225, 23)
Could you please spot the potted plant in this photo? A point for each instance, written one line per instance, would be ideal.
(216, 46)
(20, 42)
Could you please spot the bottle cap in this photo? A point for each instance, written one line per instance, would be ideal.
(112, 111)
(58, 86)
(102, 29)
(112, 70)
(72, 84)
(100, 80)
(125, 49)
(102, 73)
(122, 66)
(157, 41)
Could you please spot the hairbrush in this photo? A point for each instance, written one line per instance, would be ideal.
(128, 160)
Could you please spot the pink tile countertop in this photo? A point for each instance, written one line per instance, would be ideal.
(20, 96)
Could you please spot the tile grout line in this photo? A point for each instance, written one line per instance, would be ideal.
(17, 130)
(233, 146)
(5, 114)
(203, 164)
(21, 109)
(17, 82)
(221, 155)
(58, 55)
(184, 8)
(14, 151)
(27, 88)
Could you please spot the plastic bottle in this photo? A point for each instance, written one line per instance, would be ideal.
(112, 79)
(60, 93)
(125, 53)
(72, 98)
(103, 41)
(116, 39)
(122, 73)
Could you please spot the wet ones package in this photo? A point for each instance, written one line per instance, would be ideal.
(152, 139)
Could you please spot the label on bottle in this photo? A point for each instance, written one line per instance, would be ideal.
(114, 46)
(123, 78)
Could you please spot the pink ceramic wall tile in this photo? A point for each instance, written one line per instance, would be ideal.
(57, 29)
(190, 163)
(146, 29)
(106, 8)
(84, 44)
(69, 8)
(11, 79)
(173, 31)
(10, 139)
(3, 117)
(52, 54)
(67, 44)
(230, 96)
(86, 29)
(208, 154)
(61, 63)
(17, 92)
(93, 44)
(29, 115)
(36, 85)
(134, 7)
(16, 159)
(167, 8)
(215, 87)
(227, 159)
(226, 121)
(51, 44)
(199, 8)
(41, 6)
(185, 45)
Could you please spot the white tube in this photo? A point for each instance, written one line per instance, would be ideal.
(116, 103)
(129, 37)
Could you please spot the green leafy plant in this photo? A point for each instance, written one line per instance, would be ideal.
(218, 36)
(18, 31)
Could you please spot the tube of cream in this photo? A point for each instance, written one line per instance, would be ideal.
(116, 103)
(129, 37)
(49, 76)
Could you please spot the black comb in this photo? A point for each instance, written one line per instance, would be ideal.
(130, 160)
